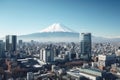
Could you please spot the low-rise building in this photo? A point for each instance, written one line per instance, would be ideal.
(87, 73)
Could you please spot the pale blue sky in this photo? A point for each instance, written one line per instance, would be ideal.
(100, 17)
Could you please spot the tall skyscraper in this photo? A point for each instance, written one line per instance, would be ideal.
(14, 42)
(7, 43)
(11, 42)
(85, 45)
(1, 48)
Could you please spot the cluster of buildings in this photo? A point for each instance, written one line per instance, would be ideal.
(58, 61)
(9, 46)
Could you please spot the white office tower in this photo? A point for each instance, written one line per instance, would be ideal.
(117, 52)
(1, 48)
(106, 60)
(53, 68)
(30, 76)
(46, 55)
(85, 45)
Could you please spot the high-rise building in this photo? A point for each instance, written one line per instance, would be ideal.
(20, 42)
(85, 45)
(11, 42)
(1, 48)
(7, 43)
(14, 42)
(46, 55)
(41, 54)
(106, 60)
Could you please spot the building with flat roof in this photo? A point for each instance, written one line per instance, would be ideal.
(87, 73)
(85, 45)
(11, 43)
(1, 48)
(106, 60)
(46, 55)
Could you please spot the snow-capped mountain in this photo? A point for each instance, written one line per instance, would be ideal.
(60, 33)
(57, 27)
(54, 33)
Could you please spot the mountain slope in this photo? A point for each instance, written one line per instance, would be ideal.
(52, 37)
(60, 33)
(53, 33)
(57, 27)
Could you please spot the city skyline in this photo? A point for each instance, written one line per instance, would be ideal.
(100, 17)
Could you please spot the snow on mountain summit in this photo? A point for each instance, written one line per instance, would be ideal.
(56, 28)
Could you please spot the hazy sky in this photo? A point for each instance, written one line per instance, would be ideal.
(100, 17)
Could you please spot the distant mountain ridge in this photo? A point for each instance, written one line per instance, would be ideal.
(60, 33)
(52, 37)
(102, 39)
(54, 33)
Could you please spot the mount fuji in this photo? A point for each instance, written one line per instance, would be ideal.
(57, 27)
(54, 33)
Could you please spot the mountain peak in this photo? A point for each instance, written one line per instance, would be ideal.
(56, 27)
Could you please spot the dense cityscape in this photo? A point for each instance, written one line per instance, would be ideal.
(59, 39)
(34, 60)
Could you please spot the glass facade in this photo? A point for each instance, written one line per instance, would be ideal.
(85, 45)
